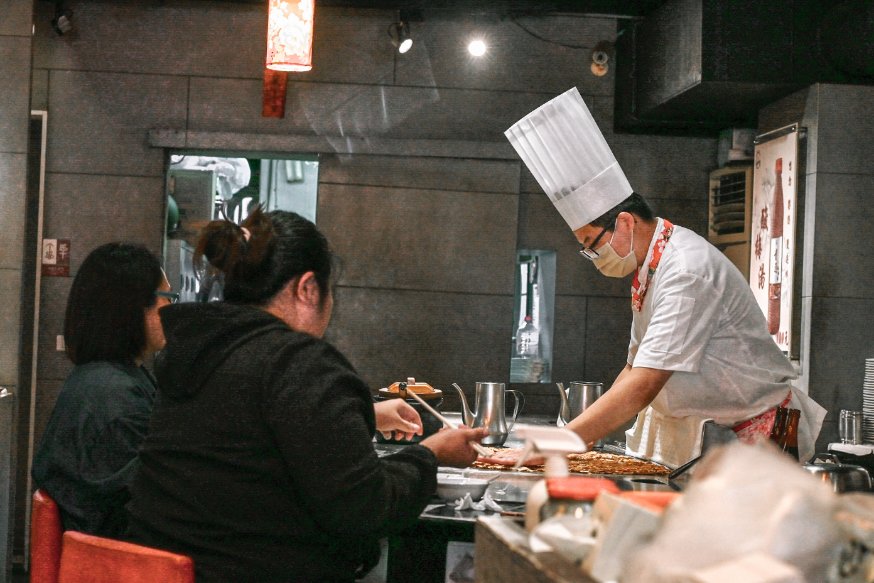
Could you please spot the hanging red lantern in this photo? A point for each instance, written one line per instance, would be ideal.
(290, 35)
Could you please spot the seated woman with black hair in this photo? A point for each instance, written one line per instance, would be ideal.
(259, 463)
(88, 452)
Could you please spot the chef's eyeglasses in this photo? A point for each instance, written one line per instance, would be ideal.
(172, 296)
(589, 252)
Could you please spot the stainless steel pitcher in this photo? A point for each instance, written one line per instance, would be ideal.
(576, 399)
(490, 410)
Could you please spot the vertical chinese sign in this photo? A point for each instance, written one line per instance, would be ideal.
(56, 257)
(773, 230)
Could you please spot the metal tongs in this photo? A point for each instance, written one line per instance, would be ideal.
(669, 481)
(402, 389)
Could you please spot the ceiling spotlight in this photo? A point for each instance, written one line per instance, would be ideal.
(601, 59)
(477, 48)
(400, 36)
(62, 23)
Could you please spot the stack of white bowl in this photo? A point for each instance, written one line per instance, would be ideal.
(868, 402)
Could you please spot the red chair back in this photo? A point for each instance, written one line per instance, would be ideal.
(45, 539)
(93, 559)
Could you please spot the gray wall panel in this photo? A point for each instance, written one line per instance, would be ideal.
(52, 363)
(430, 173)
(438, 338)
(846, 125)
(660, 166)
(10, 318)
(543, 228)
(13, 171)
(360, 110)
(431, 240)
(17, 17)
(569, 338)
(839, 362)
(99, 122)
(39, 89)
(14, 92)
(183, 38)
(608, 331)
(91, 210)
(842, 260)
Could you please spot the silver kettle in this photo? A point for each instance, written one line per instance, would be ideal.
(839, 476)
(489, 412)
(576, 399)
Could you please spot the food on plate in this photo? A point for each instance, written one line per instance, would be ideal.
(590, 462)
(399, 389)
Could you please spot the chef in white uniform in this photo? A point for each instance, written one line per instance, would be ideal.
(699, 348)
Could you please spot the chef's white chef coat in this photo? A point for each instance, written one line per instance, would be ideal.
(700, 319)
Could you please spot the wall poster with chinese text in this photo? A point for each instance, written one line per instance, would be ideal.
(773, 231)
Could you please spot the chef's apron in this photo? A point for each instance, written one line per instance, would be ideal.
(673, 441)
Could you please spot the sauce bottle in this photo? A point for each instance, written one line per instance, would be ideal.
(790, 443)
(778, 431)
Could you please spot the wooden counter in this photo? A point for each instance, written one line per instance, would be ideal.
(503, 554)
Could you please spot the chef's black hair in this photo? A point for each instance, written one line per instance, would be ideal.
(635, 204)
(263, 254)
(105, 316)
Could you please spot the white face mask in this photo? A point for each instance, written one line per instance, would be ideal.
(611, 264)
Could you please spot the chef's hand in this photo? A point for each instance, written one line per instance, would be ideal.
(396, 416)
(452, 447)
(509, 457)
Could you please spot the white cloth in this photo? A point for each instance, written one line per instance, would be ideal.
(700, 319)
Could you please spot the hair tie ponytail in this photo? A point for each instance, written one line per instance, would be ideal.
(247, 234)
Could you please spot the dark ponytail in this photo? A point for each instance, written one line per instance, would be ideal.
(257, 258)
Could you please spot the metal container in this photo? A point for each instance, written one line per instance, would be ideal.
(576, 398)
(840, 477)
(489, 410)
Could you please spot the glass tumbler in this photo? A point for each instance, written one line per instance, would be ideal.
(850, 427)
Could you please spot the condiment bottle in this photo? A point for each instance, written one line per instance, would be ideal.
(778, 431)
(790, 444)
(538, 496)
(554, 444)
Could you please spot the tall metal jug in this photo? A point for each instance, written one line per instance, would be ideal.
(576, 399)
(490, 410)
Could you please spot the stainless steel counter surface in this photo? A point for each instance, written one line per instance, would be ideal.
(510, 490)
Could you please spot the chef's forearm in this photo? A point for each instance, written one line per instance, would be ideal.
(633, 390)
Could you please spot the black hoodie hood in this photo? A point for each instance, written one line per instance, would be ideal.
(199, 339)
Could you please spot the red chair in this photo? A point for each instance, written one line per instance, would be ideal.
(45, 539)
(93, 559)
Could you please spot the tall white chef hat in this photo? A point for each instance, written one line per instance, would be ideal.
(567, 154)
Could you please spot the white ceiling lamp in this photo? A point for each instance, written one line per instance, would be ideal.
(477, 47)
(400, 36)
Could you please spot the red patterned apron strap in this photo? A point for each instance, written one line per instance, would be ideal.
(759, 427)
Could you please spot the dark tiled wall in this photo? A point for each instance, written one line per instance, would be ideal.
(428, 242)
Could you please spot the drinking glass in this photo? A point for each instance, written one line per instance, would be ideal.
(850, 427)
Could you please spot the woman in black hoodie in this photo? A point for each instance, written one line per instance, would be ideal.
(259, 463)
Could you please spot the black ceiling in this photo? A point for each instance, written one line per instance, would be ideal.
(618, 8)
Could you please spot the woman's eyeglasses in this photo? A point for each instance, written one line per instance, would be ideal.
(172, 296)
(589, 252)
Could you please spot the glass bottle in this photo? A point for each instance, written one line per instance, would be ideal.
(778, 431)
(790, 444)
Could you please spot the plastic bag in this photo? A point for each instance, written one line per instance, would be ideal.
(744, 500)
